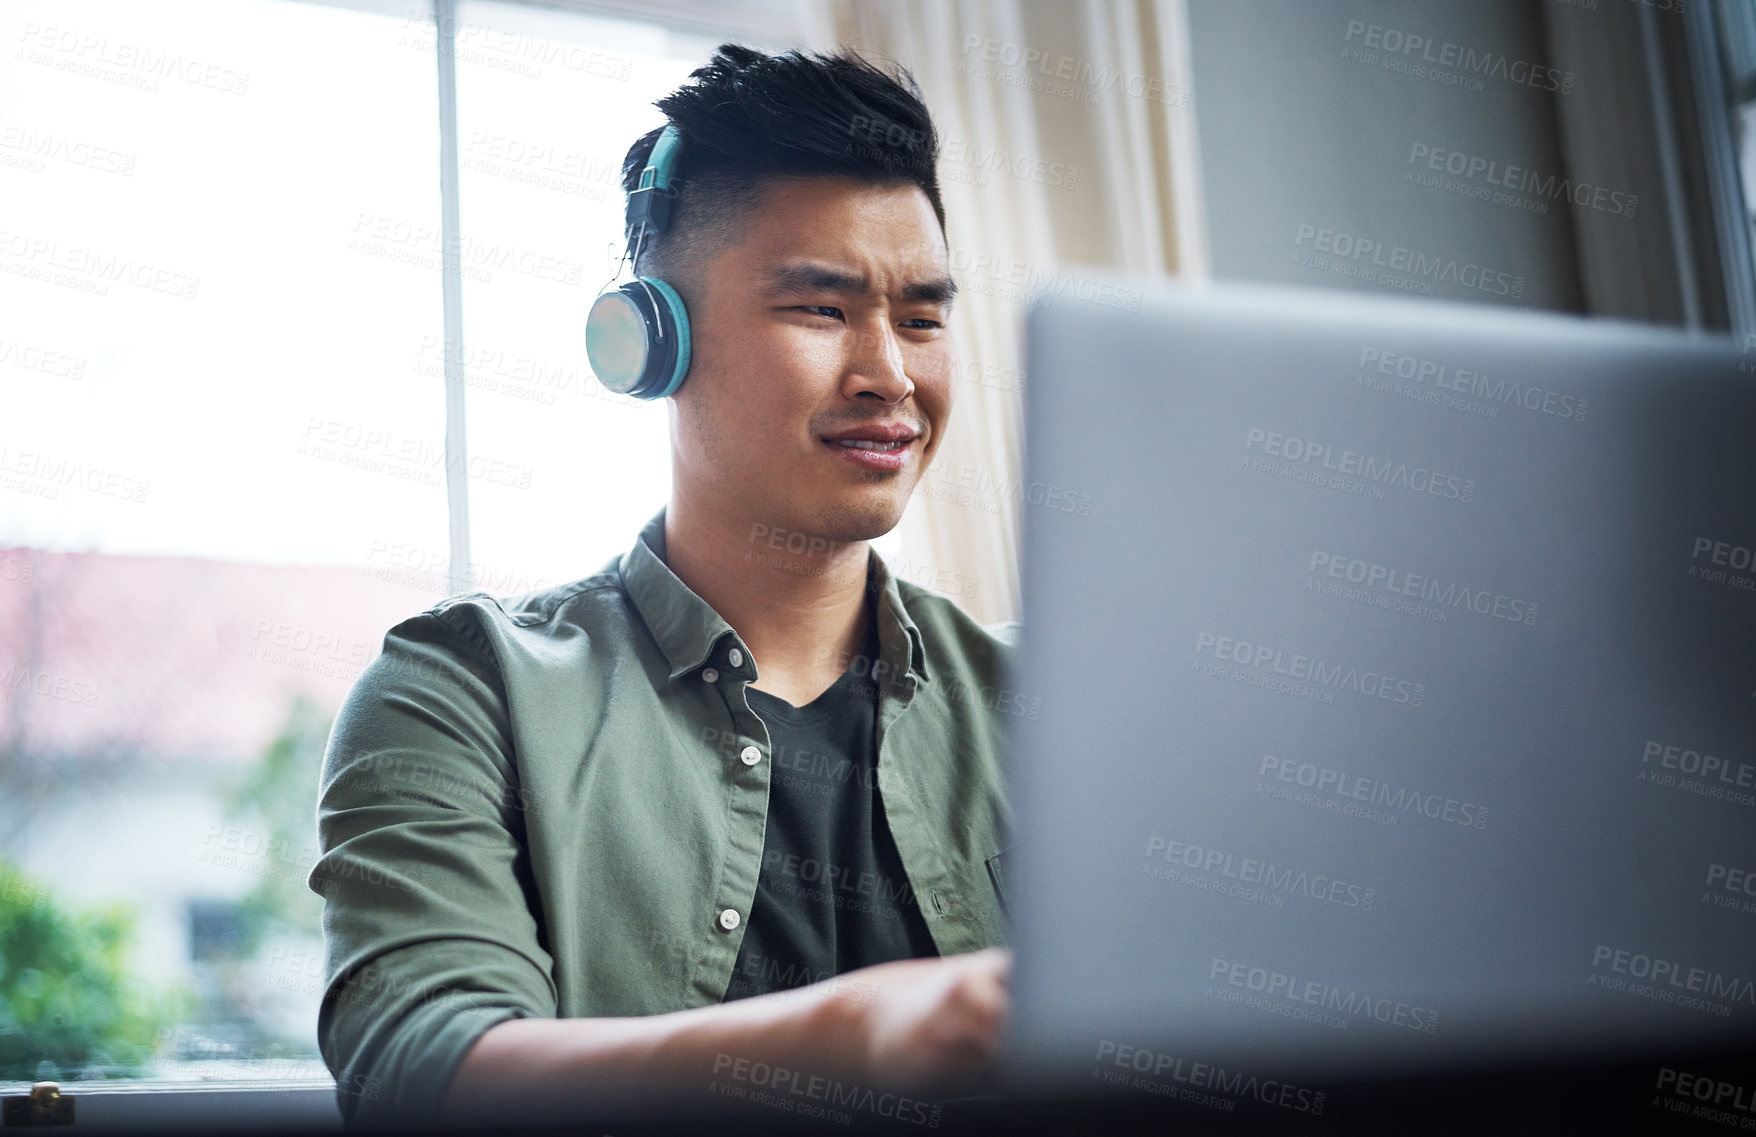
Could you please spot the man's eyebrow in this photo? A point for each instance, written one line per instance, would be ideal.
(809, 277)
(939, 290)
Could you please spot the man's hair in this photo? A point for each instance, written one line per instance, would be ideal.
(748, 117)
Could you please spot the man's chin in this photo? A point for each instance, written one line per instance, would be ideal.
(860, 520)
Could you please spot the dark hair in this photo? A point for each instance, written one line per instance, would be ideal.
(748, 116)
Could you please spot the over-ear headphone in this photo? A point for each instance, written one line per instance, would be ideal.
(637, 335)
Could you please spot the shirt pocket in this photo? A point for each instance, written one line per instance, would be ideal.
(997, 874)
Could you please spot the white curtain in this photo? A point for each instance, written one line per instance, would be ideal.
(1067, 147)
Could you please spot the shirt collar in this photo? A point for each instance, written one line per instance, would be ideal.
(688, 630)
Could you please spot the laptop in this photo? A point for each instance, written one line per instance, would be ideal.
(1398, 697)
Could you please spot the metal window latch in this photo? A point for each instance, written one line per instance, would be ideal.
(45, 1105)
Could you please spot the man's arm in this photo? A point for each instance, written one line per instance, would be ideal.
(918, 1023)
(428, 920)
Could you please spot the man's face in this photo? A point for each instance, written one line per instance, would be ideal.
(825, 319)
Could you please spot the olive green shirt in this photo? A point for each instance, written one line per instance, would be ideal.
(554, 806)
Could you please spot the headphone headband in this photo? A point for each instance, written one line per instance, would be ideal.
(663, 159)
(649, 205)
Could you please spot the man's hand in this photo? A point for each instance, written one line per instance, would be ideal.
(918, 1022)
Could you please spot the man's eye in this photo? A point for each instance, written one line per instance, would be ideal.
(925, 323)
(821, 309)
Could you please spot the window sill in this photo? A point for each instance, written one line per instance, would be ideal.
(166, 1106)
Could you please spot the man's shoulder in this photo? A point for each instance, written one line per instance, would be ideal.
(946, 626)
(595, 603)
(544, 607)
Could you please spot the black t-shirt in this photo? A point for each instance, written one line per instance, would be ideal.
(832, 895)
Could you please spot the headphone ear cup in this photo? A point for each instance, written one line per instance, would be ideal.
(637, 347)
(618, 339)
(671, 365)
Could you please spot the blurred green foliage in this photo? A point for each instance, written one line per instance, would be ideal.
(277, 798)
(67, 1006)
(273, 803)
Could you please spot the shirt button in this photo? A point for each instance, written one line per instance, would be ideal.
(751, 755)
(729, 919)
(735, 658)
(710, 674)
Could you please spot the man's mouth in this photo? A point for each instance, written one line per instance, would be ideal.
(868, 444)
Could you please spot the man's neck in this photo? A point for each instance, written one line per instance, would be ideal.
(797, 601)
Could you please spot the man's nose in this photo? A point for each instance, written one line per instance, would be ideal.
(877, 367)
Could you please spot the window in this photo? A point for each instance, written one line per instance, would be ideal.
(210, 438)
(547, 106)
(223, 461)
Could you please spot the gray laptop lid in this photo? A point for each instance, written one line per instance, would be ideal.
(1398, 687)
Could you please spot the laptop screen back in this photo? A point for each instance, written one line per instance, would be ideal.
(1398, 686)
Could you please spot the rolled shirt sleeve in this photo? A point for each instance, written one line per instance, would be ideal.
(430, 914)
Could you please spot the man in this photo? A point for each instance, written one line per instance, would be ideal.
(726, 800)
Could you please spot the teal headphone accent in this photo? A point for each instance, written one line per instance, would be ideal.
(637, 335)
